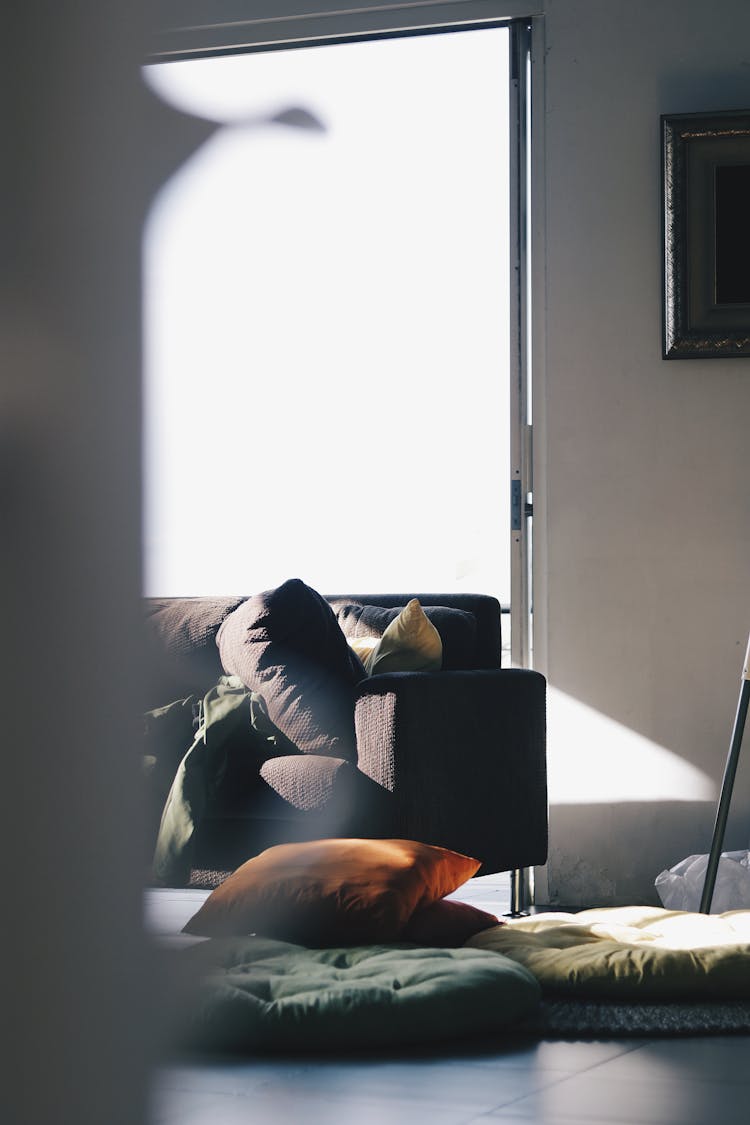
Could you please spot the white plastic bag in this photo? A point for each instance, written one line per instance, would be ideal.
(681, 887)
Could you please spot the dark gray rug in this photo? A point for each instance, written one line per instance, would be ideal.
(602, 1019)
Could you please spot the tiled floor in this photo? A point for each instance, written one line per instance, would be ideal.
(670, 1082)
(687, 1081)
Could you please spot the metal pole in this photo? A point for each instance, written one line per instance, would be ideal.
(521, 891)
(520, 359)
(727, 785)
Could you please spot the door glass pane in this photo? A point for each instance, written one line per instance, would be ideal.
(326, 323)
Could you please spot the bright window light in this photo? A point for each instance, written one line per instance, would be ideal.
(327, 323)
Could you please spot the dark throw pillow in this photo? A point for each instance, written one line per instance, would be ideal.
(286, 645)
(447, 924)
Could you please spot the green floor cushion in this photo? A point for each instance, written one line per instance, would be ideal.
(259, 994)
(633, 951)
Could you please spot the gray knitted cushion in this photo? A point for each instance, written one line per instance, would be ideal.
(180, 646)
(286, 645)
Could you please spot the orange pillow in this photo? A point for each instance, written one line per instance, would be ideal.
(332, 892)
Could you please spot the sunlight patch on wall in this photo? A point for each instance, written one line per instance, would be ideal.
(593, 759)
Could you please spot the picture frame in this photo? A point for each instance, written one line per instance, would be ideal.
(706, 235)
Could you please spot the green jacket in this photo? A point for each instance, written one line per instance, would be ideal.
(225, 718)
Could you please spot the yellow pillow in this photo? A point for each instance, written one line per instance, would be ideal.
(411, 643)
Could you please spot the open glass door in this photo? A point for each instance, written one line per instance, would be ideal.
(333, 339)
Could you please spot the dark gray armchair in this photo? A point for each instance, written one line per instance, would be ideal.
(455, 757)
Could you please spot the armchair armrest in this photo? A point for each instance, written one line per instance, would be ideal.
(464, 755)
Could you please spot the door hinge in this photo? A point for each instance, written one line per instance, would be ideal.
(516, 505)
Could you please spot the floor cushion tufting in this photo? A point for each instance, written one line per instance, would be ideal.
(261, 994)
(638, 952)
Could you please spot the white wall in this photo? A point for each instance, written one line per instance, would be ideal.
(642, 511)
(199, 25)
(77, 140)
(74, 981)
(645, 610)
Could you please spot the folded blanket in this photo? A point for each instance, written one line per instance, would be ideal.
(225, 722)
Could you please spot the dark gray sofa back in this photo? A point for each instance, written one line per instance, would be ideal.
(484, 650)
(183, 659)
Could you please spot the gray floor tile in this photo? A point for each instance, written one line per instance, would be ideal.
(722, 1058)
(594, 1096)
(279, 1108)
(505, 1117)
(173, 1107)
(559, 1055)
(658, 1082)
(460, 1086)
(214, 1078)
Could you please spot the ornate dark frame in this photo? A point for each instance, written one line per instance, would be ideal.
(695, 326)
